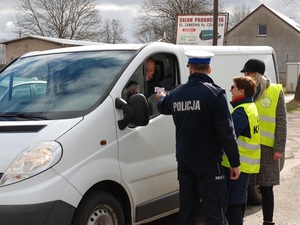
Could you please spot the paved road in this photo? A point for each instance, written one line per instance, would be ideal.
(287, 195)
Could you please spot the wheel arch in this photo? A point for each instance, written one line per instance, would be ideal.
(118, 192)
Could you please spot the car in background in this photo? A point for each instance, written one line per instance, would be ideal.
(25, 88)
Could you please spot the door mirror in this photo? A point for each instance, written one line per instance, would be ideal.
(135, 110)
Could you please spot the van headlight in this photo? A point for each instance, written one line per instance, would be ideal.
(34, 160)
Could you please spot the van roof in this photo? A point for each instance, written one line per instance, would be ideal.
(215, 49)
(88, 48)
(219, 50)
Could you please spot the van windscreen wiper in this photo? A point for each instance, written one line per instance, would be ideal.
(30, 116)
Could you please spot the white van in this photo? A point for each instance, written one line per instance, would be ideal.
(85, 152)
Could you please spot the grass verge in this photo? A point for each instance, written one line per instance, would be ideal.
(293, 105)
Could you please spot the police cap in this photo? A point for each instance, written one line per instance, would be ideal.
(199, 56)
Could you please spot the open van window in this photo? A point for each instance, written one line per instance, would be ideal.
(74, 83)
(165, 75)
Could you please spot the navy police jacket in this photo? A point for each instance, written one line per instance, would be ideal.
(203, 122)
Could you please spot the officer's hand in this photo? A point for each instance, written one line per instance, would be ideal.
(234, 173)
(160, 94)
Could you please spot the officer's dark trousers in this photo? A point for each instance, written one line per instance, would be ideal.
(206, 182)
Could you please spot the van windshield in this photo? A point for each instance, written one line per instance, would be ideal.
(59, 86)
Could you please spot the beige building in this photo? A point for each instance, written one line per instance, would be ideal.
(16, 47)
(265, 26)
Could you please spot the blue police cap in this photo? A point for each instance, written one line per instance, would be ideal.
(199, 56)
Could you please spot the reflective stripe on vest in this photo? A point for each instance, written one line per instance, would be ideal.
(249, 148)
(266, 107)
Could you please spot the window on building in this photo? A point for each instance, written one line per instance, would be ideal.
(262, 30)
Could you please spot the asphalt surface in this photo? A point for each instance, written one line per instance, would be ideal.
(287, 194)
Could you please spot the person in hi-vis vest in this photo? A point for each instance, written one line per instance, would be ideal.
(269, 99)
(246, 126)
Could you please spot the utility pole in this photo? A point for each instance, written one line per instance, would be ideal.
(216, 20)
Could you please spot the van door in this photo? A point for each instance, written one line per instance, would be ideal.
(147, 154)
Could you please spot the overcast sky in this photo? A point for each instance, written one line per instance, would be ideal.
(125, 11)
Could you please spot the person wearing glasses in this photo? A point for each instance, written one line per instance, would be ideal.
(246, 126)
(270, 103)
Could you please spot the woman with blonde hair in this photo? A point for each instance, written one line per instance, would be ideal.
(270, 103)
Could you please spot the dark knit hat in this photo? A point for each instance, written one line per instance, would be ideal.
(254, 65)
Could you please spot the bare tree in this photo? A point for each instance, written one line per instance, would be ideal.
(2, 55)
(144, 35)
(155, 30)
(157, 17)
(287, 2)
(297, 92)
(112, 32)
(238, 14)
(69, 19)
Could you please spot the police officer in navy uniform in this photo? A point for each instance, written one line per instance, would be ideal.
(204, 129)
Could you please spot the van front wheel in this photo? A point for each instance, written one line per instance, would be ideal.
(99, 208)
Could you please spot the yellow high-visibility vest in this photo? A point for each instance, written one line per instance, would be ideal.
(266, 107)
(249, 148)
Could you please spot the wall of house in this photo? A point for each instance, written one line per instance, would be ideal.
(281, 36)
(22, 46)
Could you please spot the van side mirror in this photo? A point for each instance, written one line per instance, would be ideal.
(135, 110)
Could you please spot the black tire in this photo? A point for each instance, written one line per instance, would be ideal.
(99, 207)
(254, 196)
